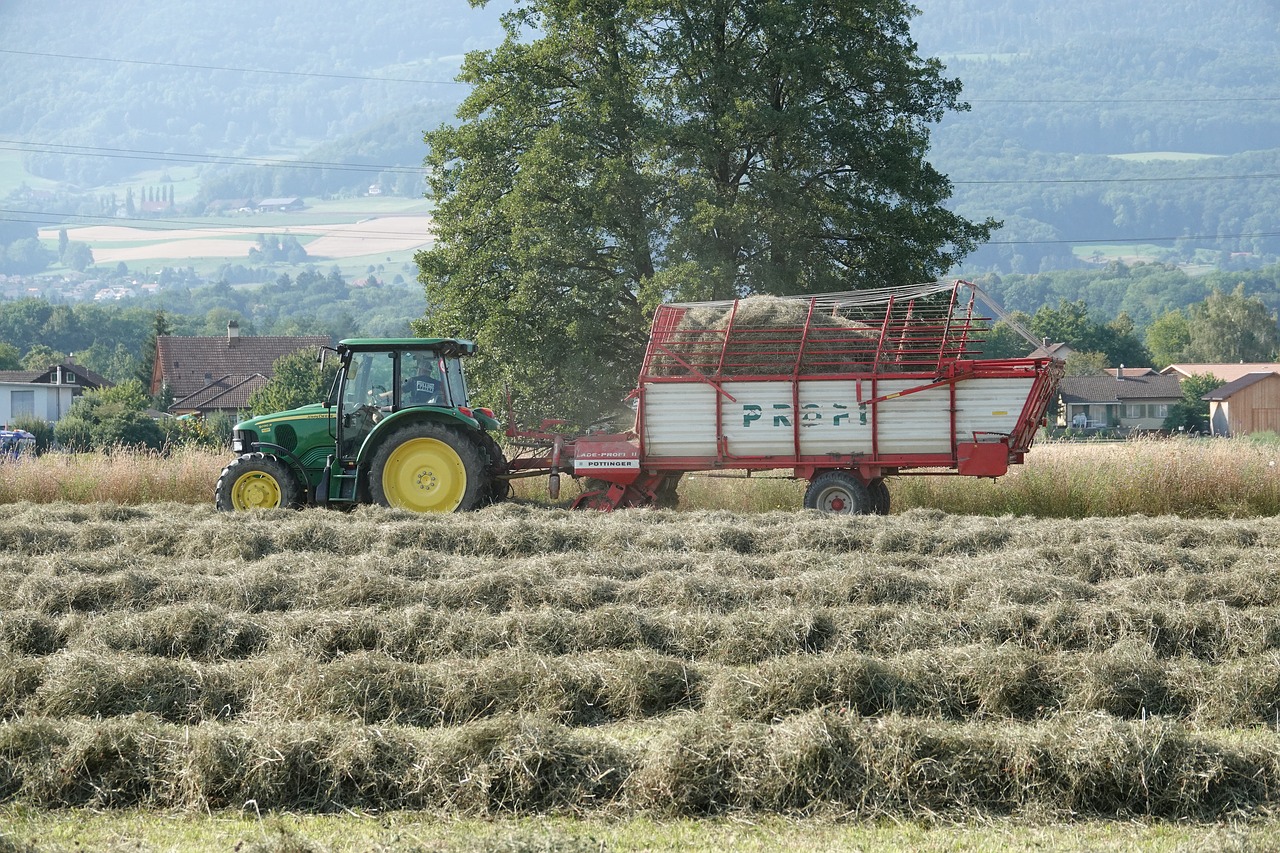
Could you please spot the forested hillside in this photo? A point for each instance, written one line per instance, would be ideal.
(1097, 130)
(1148, 124)
(228, 78)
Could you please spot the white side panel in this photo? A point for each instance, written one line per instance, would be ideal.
(761, 417)
(990, 405)
(915, 423)
(680, 420)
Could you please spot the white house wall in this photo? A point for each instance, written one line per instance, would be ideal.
(51, 401)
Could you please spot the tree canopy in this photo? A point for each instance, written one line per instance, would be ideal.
(635, 153)
(298, 379)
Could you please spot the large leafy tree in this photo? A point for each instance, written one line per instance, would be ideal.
(1232, 327)
(634, 152)
(297, 379)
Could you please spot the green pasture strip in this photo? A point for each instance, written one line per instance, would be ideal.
(1117, 250)
(246, 830)
(13, 174)
(1163, 156)
(372, 205)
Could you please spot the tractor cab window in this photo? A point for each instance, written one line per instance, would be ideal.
(369, 381)
(422, 380)
(456, 382)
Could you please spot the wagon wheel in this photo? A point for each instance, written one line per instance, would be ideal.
(879, 491)
(838, 492)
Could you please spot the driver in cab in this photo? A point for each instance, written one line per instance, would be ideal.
(422, 388)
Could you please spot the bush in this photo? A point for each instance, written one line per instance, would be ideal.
(109, 418)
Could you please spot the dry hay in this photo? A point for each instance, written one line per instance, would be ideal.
(523, 661)
(765, 338)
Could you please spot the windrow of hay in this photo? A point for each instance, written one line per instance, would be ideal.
(1210, 631)
(972, 682)
(509, 531)
(526, 660)
(821, 762)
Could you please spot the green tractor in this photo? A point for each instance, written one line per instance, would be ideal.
(396, 430)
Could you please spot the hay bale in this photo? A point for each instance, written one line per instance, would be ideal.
(765, 338)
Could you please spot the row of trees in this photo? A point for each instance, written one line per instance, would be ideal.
(1223, 328)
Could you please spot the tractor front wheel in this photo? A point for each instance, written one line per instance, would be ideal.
(839, 492)
(257, 481)
(428, 467)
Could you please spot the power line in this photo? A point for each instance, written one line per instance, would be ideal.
(369, 78)
(220, 159)
(191, 66)
(194, 159)
(1121, 180)
(1132, 239)
(1105, 101)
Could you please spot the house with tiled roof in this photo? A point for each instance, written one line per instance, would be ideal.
(217, 374)
(1248, 404)
(1120, 401)
(1228, 372)
(65, 372)
(1060, 351)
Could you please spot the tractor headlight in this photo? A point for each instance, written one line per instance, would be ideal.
(242, 440)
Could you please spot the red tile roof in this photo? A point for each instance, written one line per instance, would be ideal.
(188, 364)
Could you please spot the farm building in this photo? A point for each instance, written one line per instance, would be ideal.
(280, 204)
(1246, 405)
(1120, 401)
(217, 374)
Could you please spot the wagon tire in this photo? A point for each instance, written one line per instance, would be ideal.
(428, 467)
(665, 495)
(879, 491)
(838, 492)
(257, 481)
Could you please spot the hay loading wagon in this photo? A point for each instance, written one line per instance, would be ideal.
(842, 390)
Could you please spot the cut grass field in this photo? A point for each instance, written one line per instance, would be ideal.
(349, 233)
(528, 678)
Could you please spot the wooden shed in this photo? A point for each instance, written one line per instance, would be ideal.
(1246, 405)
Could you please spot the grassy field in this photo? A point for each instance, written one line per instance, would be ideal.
(1212, 478)
(745, 677)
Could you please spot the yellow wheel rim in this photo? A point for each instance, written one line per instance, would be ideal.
(424, 475)
(255, 490)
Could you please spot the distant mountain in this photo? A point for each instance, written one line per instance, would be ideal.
(1108, 106)
(230, 77)
(1097, 128)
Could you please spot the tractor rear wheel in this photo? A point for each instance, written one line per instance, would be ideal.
(257, 481)
(428, 467)
(840, 492)
(495, 489)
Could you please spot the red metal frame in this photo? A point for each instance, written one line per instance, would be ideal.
(925, 334)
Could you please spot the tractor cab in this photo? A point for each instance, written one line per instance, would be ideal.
(380, 378)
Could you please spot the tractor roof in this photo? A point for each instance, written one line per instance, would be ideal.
(448, 346)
